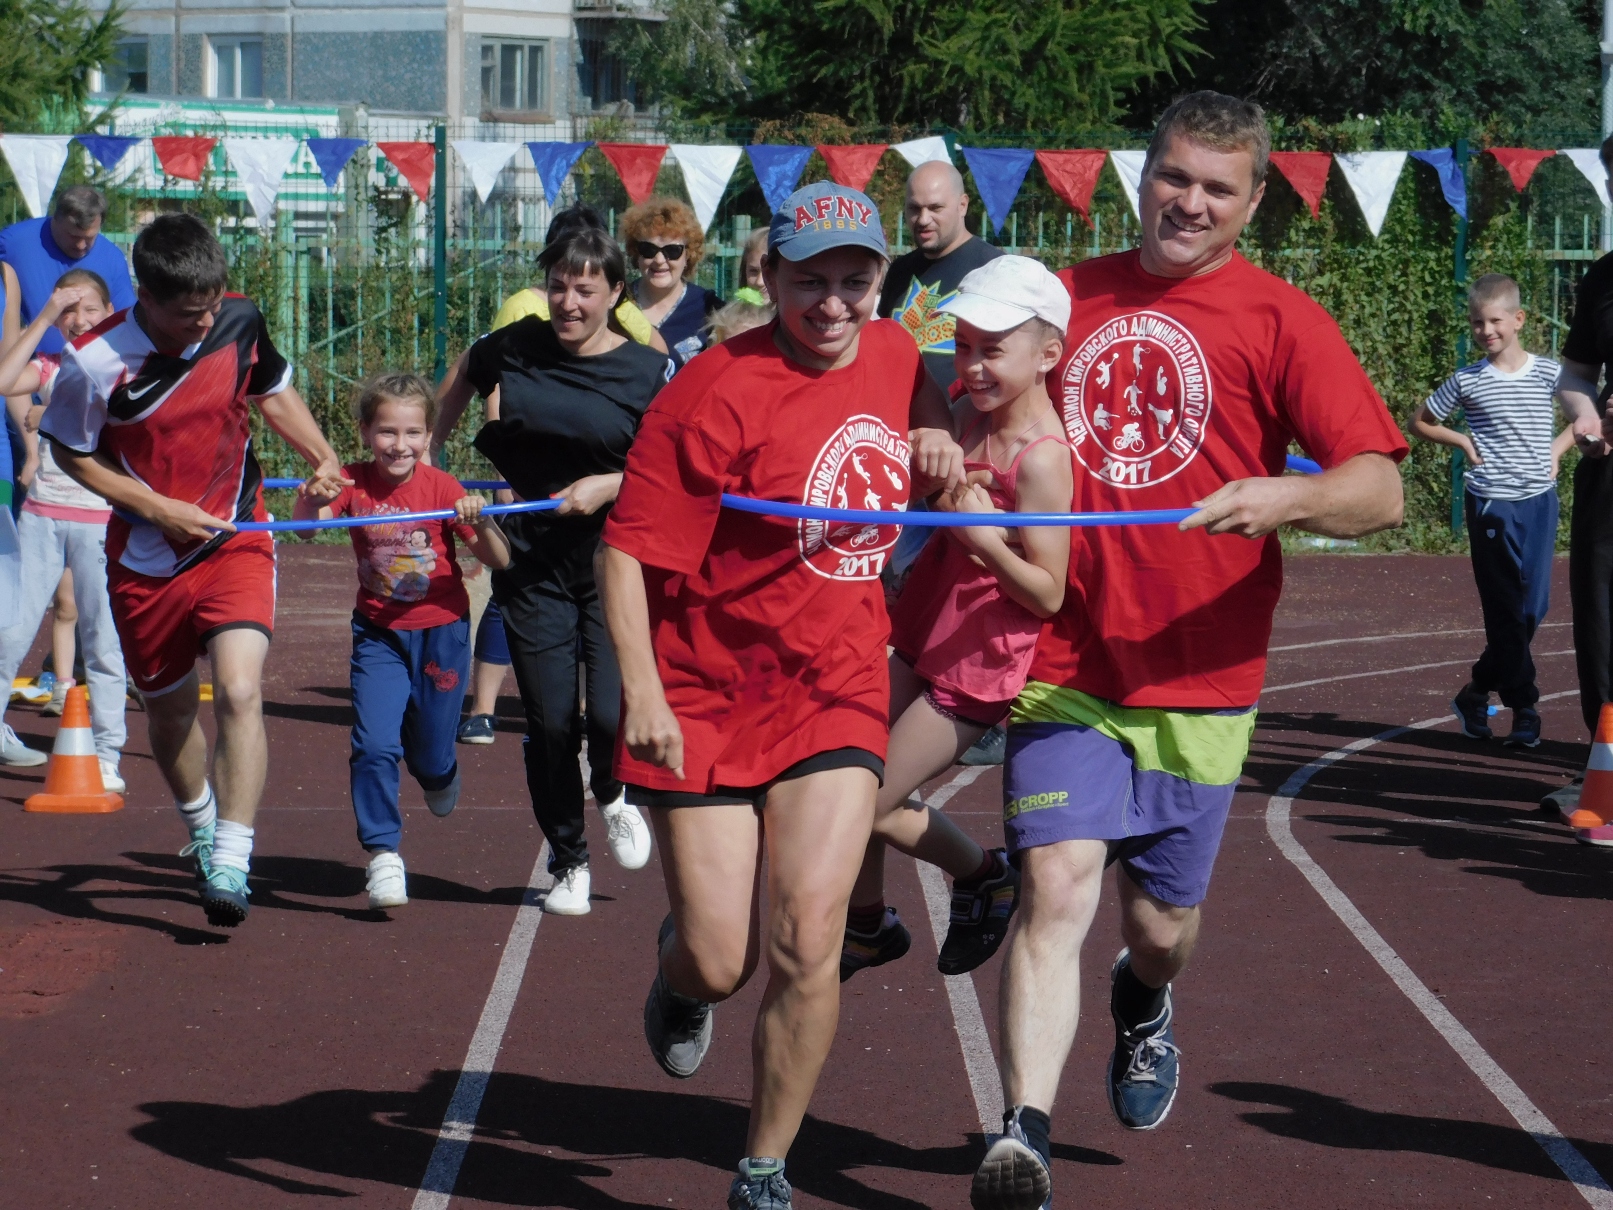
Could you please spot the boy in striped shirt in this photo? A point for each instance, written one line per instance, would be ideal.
(1511, 500)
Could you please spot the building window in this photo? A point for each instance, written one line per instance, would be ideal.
(515, 77)
(237, 68)
(125, 71)
(602, 76)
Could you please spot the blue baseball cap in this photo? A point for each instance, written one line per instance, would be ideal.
(824, 215)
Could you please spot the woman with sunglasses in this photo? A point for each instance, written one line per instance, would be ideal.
(666, 243)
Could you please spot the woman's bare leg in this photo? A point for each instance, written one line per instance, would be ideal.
(711, 859)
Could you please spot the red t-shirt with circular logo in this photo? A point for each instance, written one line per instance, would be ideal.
(1171, 388)
(769, 633)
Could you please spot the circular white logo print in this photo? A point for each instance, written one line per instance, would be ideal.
(864, 465)
(1137, 399)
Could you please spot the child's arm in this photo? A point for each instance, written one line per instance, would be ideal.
(1425, 425)
(1037, 577)
(29, 429)
(489, 545)
(17, 376)
(1563, 443)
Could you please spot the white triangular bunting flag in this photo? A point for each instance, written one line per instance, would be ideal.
(36, 162)
(924, 151)
(1589, 162)
(260, 165)
(1129, 164)
(706, 171)
(1371, 176)
(484, 161)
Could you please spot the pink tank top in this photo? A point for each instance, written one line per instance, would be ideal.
(953, 621)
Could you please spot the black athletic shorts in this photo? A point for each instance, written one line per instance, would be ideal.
(756, 796)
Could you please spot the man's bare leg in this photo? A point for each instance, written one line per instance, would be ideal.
(241, 757)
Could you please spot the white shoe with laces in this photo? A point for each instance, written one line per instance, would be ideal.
(386, 882)
(626, 832)
(17, 754)
(111, 780)
(569, 895)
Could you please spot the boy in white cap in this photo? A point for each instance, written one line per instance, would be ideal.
(964, 630)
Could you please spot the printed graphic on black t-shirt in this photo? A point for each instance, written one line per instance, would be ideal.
(916, 286)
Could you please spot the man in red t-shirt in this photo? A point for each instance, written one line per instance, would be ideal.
(753, 649)
(151, 410)
(1187, 372)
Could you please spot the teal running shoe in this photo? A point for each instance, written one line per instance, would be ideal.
(200, 852)
(224, 897)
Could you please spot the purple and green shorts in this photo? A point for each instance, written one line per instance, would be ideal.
(1155, 784)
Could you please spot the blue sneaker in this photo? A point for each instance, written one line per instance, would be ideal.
(477, 729)
(1472, 707)
(1525, 728)
(760, 1185)
(1014, 1175)
(224, 896)
(1145, 1068)
(200, 852)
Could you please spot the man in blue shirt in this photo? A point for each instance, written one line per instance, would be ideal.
(40, 250)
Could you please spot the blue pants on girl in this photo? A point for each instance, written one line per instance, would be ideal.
(408, 687)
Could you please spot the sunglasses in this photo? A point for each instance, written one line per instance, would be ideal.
(649, 251)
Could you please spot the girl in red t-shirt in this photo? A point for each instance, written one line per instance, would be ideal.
(753, 649)
(411, 625)
(965, 628)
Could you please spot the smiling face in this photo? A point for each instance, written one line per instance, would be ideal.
(997, 368)
(1496, 324)
(661, 269)
(580, 305)
(178, 322)
(397, 436)
(1195, 202)
(824, 301)
(89, 310)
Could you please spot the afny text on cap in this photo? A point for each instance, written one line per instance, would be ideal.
(824, 215)
(1004, 293)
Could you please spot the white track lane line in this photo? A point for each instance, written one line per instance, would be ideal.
(1590, 1183)
(459, 1123)
(1399, 634)
(967, 1018)
(1355, 676)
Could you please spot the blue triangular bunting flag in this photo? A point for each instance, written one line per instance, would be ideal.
(108, 149)
(778, 168)
(998, 174)
(554, 162)
(1452, 183)
(332, 155)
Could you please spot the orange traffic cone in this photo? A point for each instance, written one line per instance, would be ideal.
(73, 783)
(1596, 799)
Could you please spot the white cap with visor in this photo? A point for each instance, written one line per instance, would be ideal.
(1005, 292)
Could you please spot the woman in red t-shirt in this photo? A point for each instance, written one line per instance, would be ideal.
(752, 649)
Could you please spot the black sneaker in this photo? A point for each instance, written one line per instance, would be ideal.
(1472, 708)
(980, 916)
(859, 951)
(760, 1185)
(1525, 728)
(989, 749)
(677, 1028)
(1145, 1068)
(1014, 1175)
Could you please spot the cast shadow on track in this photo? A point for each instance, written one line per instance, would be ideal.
(387, 1137)
(1328, 1121)
(92, 891)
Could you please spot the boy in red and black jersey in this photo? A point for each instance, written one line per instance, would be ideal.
(151, 410)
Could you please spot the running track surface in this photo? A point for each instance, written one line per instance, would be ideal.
(311, 1056)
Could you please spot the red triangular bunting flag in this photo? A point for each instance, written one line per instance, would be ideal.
(853, 166)
(1520, 163)
(1073, 175)
(183, 155)
(416, 161)
(636, 164)
(1306, 171)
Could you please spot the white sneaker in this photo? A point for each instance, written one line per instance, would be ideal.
(17, 754)
(388, 889)
(627, 833)
(569, 895)
(111, 781)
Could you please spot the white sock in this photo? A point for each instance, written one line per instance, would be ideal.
(232, 845)
(197, 815)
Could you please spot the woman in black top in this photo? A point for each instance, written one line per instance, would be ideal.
(565, 396)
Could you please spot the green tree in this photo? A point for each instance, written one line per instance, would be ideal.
(1052, 66)
(47, 55)
(1531, 64)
